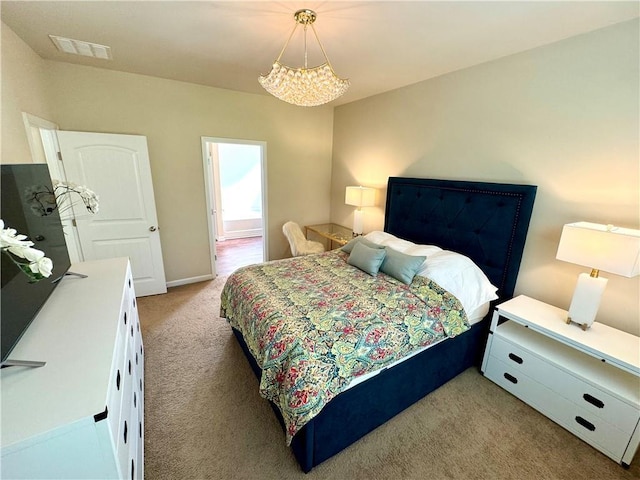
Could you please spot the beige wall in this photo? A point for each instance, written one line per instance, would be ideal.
(173, 116)
(23, 90)
(563, 117)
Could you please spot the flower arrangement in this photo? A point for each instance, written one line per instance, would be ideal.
(31, 261)
(43, 202)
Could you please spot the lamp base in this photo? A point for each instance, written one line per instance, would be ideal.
(583, 326)
(586, 300)
(358, 221)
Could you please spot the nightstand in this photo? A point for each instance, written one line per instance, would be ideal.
(587, 382)
(334, 233)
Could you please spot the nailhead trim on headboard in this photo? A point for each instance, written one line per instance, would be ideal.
(487, 222)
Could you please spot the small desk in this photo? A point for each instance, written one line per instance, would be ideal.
(334, 233)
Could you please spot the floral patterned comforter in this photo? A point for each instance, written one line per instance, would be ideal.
(314, 323)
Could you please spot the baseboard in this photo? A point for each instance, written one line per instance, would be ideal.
(187, 281)
(237, 234)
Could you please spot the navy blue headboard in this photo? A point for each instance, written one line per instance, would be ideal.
(487, 222)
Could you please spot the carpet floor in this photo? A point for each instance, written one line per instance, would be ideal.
(204, 418)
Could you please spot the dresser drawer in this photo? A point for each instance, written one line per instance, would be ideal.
(578, 391)
(117, 380)
(128, 425)
(114, 404)
(135, 446)
(577, 420)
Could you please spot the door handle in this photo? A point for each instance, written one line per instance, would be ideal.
(152, 228)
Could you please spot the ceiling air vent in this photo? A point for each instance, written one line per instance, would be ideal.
(78, 47)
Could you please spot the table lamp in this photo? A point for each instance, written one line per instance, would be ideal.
(599, 247)
(359, 197)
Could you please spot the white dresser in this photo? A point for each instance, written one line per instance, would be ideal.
(586, 381)
(81, 415)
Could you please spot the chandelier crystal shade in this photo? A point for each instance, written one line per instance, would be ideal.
(303, 86)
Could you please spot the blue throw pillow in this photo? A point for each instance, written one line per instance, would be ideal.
(349, 246)
(400, 265)
(366, 258)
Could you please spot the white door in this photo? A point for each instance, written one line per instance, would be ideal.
(117, 168)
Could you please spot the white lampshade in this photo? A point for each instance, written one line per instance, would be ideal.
(599, 247)
(602, 247)
(360, 196)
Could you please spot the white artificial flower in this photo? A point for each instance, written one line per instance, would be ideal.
(20, 251)
(15, 246)
(43, 266)
(9, 237)
(31, 254)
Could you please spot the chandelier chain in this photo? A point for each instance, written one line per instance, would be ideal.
(305, 45)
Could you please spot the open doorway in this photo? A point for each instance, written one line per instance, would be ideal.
(235, 172)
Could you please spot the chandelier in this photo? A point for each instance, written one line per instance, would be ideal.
(303, 86)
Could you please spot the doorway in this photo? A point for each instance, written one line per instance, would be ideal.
(235, 186)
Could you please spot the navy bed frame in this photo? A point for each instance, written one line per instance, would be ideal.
(487, 222)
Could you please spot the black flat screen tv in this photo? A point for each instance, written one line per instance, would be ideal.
(28, 206)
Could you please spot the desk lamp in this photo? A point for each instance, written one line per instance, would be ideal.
(600, 247)
(359, 197)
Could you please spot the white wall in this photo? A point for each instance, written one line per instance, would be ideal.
(563, 117)
(23, 90)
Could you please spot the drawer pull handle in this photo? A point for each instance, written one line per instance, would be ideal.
(588, 425)
(511, 378)
(593, 400)
(515, 358)
(118, 380)
(125, 432)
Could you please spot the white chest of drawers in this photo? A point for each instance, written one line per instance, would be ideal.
(586, 381)
(81, 415)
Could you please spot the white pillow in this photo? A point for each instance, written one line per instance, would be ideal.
(379, 237)
(389, 240)
(459, 276)
(423, 250)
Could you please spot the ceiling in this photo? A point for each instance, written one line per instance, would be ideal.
(378, 45)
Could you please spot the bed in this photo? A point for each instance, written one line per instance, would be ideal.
(486, 222)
